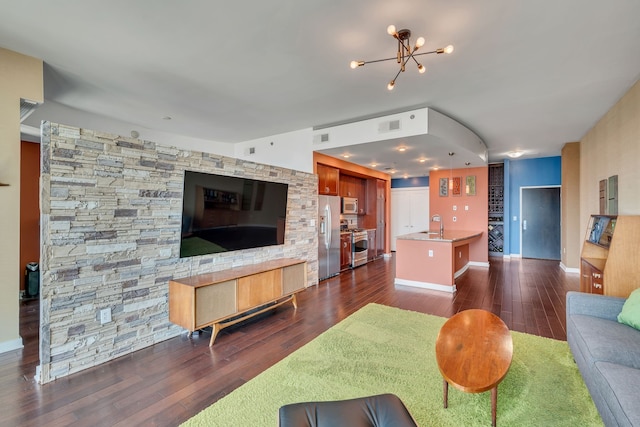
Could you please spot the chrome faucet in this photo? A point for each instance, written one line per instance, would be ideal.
(438, 218)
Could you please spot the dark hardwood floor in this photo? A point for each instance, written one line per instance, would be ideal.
(168, 383)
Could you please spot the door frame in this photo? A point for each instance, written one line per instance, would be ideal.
(528, 187)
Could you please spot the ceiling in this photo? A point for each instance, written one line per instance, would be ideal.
(525, 75)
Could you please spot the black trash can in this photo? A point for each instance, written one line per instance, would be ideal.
(32, 280)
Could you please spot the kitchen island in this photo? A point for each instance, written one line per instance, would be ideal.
(429, 260)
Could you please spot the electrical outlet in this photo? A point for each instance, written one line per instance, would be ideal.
(431, 253)
(466, 207)
(105, 315)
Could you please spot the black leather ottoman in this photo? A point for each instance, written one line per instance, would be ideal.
(384, 410)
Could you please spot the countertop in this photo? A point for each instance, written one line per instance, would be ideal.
(434, 236)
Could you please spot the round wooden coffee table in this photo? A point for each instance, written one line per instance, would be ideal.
(474, 351)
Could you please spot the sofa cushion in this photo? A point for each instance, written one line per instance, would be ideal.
(630, 314)
(619, 387)
(607, 341)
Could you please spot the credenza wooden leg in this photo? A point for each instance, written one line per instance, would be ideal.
(215, 328)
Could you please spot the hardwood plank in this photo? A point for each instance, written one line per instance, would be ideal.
(170, 382)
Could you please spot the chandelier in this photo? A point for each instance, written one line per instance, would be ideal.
(405, 52)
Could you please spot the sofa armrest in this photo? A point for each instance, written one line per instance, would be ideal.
(605, 307)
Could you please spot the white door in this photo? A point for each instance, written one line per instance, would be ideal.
(409, 211)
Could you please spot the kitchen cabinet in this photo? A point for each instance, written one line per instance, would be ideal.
(328, 179)
(381, 187)
(345, 251)
(608, 261)
(352, 186)
(371, 245)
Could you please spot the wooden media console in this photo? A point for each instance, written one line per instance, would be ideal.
(224, 298)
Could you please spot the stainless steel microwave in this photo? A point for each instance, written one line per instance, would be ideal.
(349, 205)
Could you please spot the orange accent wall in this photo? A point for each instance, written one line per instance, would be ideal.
(29, 205)
(475, 218)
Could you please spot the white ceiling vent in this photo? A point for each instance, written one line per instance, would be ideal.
(26, 108)
(389, 126)
(321, 138)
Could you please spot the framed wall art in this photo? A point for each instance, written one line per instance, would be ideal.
(444, 187)
(470, 185)
(456, 189)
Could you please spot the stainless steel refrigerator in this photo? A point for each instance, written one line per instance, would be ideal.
(328, 236)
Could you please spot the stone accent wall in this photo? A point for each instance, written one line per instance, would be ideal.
(111, 212)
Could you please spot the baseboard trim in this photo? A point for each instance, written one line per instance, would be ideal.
(425, 285)
(569, 269)
(461, 271)
(479, 264)
(11, 345)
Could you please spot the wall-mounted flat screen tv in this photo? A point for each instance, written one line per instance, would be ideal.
(225, 213)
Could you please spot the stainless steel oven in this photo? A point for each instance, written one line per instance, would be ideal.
(359, 247)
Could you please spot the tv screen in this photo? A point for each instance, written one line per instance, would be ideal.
(226, 213)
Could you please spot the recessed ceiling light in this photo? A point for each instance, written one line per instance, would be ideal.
(373, 165)
(346, 156)
(402, 148)
(515, 154)
(435, 168)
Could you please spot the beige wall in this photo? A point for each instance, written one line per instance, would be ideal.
(20, 77)
(571, 233)
(612, 147)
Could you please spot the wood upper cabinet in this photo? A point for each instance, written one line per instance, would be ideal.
(328, 178)
(353, 186)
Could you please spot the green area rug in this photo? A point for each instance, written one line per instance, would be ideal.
(381, 349)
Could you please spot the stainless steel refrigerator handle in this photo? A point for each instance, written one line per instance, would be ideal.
(327, 236)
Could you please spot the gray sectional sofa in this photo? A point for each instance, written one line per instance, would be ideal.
(607, 354)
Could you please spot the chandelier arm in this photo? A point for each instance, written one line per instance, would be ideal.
(397, 74)
(424, 53)
(380, 60)
(414, 59)
(394, 58)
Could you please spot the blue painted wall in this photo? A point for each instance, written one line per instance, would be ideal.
(420, 181)
(545, 171)
(517, 173)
